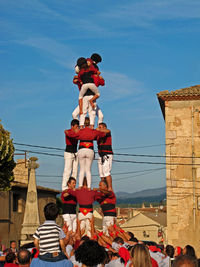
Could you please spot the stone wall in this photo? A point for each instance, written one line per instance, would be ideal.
(183, 172)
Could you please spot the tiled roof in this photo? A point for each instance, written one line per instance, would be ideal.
(23, 185)
(193, 91)
(185, 94)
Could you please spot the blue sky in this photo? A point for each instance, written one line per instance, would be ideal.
(147, 46)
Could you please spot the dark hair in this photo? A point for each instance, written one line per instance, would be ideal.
(118, 240)
(70, 179)
(96, 57)
(181, 260)
(10, 257)
(81, 61)
(103, 124)
(131, 236)
(90, 253)
(170, 251)
(24, 256)
(12, 241)
(51, 211)
(85, 238)
(190, 251)
(74, 122)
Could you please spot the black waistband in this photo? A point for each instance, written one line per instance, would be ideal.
(86, 141)
(107, 148)
(107, 206)
(71, 148)
(69, 208)
(86, 206)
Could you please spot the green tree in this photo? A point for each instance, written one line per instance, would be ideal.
(7, 163)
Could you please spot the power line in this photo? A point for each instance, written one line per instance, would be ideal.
(121, 161)
(119, 154)
(61, 149)
(96, 175)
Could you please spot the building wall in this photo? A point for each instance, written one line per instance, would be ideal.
(144, 228)
(183, 181)
(11, 219)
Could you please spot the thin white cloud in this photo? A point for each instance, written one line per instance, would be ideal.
(145, 13)
(119, 85)
(60, 53)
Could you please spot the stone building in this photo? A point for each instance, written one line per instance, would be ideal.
(181, 111)
(13, 204)
(147, 226)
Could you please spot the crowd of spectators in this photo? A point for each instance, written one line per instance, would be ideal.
(56, 246)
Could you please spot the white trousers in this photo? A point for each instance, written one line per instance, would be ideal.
(85, 157)
(70, 220)
(106, 166)
(85, 222)
(70, 168)
(91, 112)
(107, 221)
(87, 86)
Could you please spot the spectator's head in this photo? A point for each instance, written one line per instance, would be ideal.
(140, 256)
(185, 261)
(13, 244)
(51, 211)
(103, 185)
(71, 183)
(189, 250)
(96, 58)
(131, 235)
(24, 257)
(90, 253)
(118, 240)
(87, 122)
(169, 251)
(177, 251)
(84, 238)
(74, 124)
(10, 257)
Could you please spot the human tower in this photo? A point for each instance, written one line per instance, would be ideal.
(82, 130)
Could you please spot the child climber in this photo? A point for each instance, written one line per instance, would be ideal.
(86, 80)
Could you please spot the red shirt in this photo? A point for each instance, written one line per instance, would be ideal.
(10, 264)
(107, 202)
(71, 143)
(69, 204)
(86, 137)
(97, 81)
(86, 75)
(105, 144)
(84, 196)
(69, 199)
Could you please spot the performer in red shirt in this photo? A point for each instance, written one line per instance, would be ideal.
(69, 206)
(70, 156)
(86, 149)
(85, 198)
(85, 78)
(90, 95)
(107, 201)
(105, 155)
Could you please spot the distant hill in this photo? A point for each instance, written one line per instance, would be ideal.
(148, 195)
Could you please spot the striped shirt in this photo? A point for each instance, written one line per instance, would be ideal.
(49, 235)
